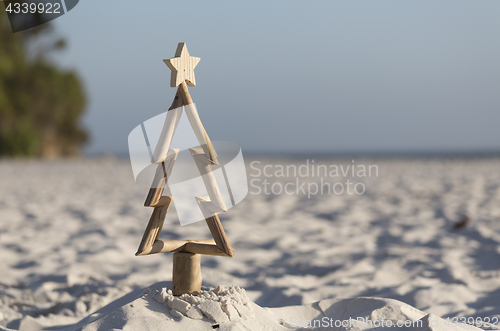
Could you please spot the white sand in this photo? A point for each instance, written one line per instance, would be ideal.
(143, 311)
(69, 231)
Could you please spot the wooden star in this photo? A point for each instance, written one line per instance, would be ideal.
(182, 66)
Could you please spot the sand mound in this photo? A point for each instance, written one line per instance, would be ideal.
(227, 308)
(220, 305)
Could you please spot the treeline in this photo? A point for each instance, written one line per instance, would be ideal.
(41, 105)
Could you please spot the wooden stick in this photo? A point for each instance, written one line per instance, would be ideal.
(157, 186)
(204, 249)
(186, 274)
(163, 246)
(177, 102)
(160, 180)
(172, 119)
(208, 177)
(184, 92)
(194, 120)
(163, 201)
(154, 226)
(219, 235)
(207, 247)
(215, 226)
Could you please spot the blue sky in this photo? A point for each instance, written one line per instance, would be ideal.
(311, 76)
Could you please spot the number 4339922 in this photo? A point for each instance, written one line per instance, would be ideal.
(42, 8)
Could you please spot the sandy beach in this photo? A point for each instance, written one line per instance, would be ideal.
(425, 232)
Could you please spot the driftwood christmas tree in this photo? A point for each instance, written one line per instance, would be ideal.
(186, 276)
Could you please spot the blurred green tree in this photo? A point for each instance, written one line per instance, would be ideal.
(41, 105)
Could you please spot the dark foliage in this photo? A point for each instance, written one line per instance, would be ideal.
(41, 105)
